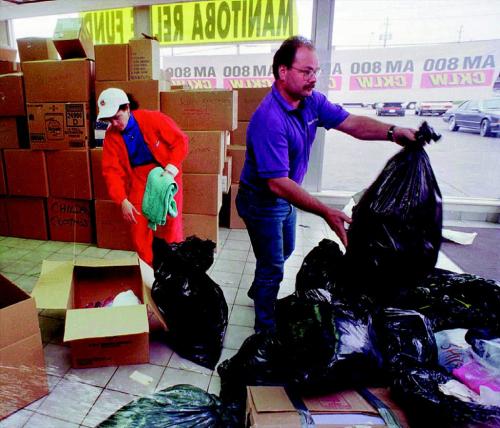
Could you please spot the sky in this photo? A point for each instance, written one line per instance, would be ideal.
(370, 23)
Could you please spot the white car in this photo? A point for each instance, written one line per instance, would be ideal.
(432, 107)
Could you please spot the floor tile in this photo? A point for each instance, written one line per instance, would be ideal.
(232, 244)
(20, 267)
(26, 282)
(94, 252)
(57, 359)
(236, 335)
(249, 268)
(17, 419)
(52, 246)
(159, 353)
(98, 376)
(291, 271)
(43, 421)
(73, 248)
(294, 260)
(229, 294)
(225, 355)
(239, 235)
(242, 298)
(246, 280)
(122, 382)
(10, 276)
(52, 381)
(233, 255)
(60, 256)
(251, 256)
(223, 233)
(70, 401)
(226, 279)
(173, 377)
(214, 386)
(229, 266)
(14, 254)
(106, 405)
(178, 362)
(242, 315)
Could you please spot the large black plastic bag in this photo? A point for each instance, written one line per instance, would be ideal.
(324, 345)
(405, 339)
(192, 304)
(417, 389)
(257, 362)
(454, 300)
(395, 234)
(321, 267)
(182, 406)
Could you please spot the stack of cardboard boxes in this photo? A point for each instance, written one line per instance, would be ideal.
(207, 117)
(59, 100)
(248, 101)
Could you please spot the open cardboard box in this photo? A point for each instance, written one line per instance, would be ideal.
(271, 407)
(22, 367)
(98, 336)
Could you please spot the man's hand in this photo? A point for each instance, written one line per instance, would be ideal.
(336, 219)
(404, 135)
(129, 212)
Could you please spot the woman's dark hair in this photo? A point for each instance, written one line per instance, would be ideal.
(133, 103)
(285, 55)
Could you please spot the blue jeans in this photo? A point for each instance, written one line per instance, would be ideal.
(270, 223)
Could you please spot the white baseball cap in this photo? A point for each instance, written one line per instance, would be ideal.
(109, 102)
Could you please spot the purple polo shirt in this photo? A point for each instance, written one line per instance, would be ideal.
(279, 137)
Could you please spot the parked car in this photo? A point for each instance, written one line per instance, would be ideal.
(390, 109)
(479, 115)
(432, 107)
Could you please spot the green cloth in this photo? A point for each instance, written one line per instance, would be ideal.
(158, 200)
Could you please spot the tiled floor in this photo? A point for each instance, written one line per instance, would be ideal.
(85, 397)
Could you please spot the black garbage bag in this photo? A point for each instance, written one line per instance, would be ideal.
(395, 235)
(257, 362)
(321, 267)
(405, 338)
(417, 390)
(454, 300)
(324, 344)
(192, 304)
(181, 406)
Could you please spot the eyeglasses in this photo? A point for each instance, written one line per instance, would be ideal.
(308, 74)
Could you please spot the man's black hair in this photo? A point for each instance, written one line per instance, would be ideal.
(285, 55)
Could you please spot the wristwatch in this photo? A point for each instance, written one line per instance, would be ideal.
(390, 133)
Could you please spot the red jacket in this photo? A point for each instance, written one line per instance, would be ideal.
(167, 143)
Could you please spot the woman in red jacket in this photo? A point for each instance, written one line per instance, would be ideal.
(135, 143)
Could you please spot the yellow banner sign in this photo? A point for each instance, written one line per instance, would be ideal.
(208, 22)
(110, 26)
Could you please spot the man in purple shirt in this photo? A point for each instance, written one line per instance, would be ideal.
(279, 140)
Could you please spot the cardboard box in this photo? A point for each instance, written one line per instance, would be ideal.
(146, 92)
(239, 135)
(270, 407)
(72, 39)
(111, 229)
(238, 155)
(8, 133)
(27, 218)
(4, 221)
(144, 59)
(97, 336)
(98, 184)
(226, 174)
(3, 183)
(59, 125)
(70, 220)
(12, 95)
(22, 365)
(26, 172)
(36, 49)
(117, 69)
(52, 81)
(214, 110)
(248, 101)
(235, 221)
(7, 67)
(7, 54)
(69, 174)
(206, 152)
(202, 193)
(202, 226)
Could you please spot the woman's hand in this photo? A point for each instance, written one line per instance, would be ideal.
(129, 212)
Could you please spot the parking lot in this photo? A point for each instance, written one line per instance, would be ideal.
(465, 164)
